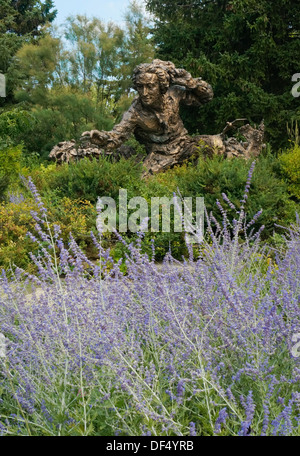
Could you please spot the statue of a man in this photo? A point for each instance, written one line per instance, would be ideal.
(154, 114)
(154, 119)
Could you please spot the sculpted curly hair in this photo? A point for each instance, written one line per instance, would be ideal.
(165, 72)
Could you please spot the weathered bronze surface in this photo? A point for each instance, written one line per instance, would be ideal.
(154, 120)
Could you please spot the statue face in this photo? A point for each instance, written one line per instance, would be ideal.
(147, 85)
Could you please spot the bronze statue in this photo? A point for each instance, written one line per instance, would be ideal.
(154, 120)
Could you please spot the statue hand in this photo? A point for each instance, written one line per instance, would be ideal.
(184, 78)
(204, 90)
(96, 137)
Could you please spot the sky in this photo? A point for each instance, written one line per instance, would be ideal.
(107, 10)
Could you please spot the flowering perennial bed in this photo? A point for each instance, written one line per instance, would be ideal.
(207, 348)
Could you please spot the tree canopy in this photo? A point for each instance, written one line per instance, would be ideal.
(21, 21)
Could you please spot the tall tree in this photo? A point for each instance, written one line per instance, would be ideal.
(95, 54)
(21, 21)
(138, 46)
(28, 15)
(247, 50)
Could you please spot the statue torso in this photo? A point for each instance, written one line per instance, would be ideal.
(159, 126)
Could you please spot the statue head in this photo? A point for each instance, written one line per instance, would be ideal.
(152, 80)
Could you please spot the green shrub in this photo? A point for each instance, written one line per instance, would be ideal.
(211, 178)
(70, 193)
(4, 183)
(10, 168)
(10, 161)
(87, 180)
(15, 222)
(290, 165)
(13, 124)
(90, 179)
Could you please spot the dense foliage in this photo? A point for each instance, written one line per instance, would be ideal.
(290, 163)
(20, 22)
(71, 192)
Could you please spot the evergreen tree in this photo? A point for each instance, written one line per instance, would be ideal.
(21, 21)
(247, 50)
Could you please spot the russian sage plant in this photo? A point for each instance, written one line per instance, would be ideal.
(198, 347)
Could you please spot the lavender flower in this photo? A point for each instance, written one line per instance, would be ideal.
(249, 409)
(223, 415)
(152, 350)
(193, 431)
